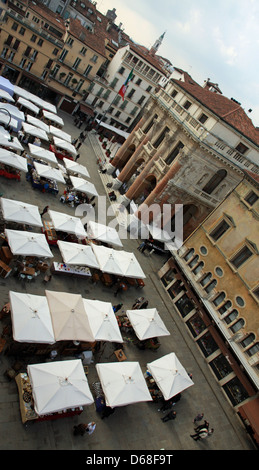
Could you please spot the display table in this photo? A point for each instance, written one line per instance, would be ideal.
(69, 270)
(26, 403)
(50, 233)
(4, 270)
(46, 186)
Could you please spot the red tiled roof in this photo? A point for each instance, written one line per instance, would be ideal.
(228, 110)
(252, 175)
(47, 14)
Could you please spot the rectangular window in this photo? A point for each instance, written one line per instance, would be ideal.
(87, 70)
(174, 93)
(251, 198)
(22, 31)
(241, 148)
(76, 63)
(40, 42)
(70, 41)
(16, 44)
(242, 256)
(9, 40)
(219, 230)
(83, 50)
(149, 88)
(187, 104)
(63, 55)
(131, 93)
(172, 155)
(122, 70)
(33, 38)
(94, 58)
(140, 101)
(15, 26)
(114, 82)
(203, 118)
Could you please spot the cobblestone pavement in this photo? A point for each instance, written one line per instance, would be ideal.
(133, 427)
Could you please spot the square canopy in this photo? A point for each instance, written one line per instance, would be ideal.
(119, 262)
(12, 143)
(24, 243)
(59, 385)
(37, 123)
(42, 153)
(123, 383)
(69, 318)
(28, 104)
(48, 172)
(31, 320)
(35, 131)
(147, 323)
(4, 95)
(13, 160)
(80, 184)
(59, 133)
(64, 145)
(67, 223)
(169, 375)
(53, 117)
(74, 167)
(77, 254)
(20, 212)
(102, 320)
(103, 233)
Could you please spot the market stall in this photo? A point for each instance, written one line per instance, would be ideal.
(37, 123)
(11, 143)
(51, 117)
(24, 103)
(55, 131)
(24, 243)
(48, 172)
(103, 233)
(80, 185)
(169, 374)
(67, 223)
(62, 149)
(42, 154)
(147, 323)
(70, 270)
(17, 116)
(5, 96)
(122, 383)
(20, 212)
(34, 131)
(74, 167)
(102, 321)
(12, 164)
(119, 262)
(76, 254)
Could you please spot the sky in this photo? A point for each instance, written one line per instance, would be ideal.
(206, 38)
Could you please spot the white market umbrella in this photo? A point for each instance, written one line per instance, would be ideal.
(169, 375)
(24, 243)
(4, 95)
(59, 385)
(67, 223)
(123, 383)
(5, 119)
(48, 172)
(37, 123)
(4, 133)
(103, 233)
(77, 254)
(118, 262)
(31, 320)
(34, 99)
(63, 144)
(59, 133)
(13, 160)
(147, 323)
(53, 117)
(12, 143)
(28, 104)
(43, 154)
(80, 184)
(69, 318)
(102, 320)
(75, 167)
(35, 131)
(20, 212)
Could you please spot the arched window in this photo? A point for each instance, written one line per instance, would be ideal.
(248, 340)
(206, 279)
(211, 286)
(198, 268)
(189, 254)
(194, 261)
(219, 299)
(237, 326)
(225, 307)
(231, 317)
(214, 181)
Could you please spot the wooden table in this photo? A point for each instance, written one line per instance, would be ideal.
(27, 271)
(50, 233)
(120, 355)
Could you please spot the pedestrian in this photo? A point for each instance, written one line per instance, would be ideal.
(120, 287)
(201, 426)
(107, 412)
(169, 416)
(141, 246)
(198, 417)
(79, 145)
(144, 305)
(77, 157)
(137, 303)
(201, 434)
(117, 307)
(144, 247)
(167, 405)
(83, 428)
(46, 208)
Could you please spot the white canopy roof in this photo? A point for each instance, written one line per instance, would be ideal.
(59, 133)
(118, 262)
(31, 320)
(15, 112)
(20, 212)
(75, 167)
(77, 254)
(4, 133)
(5, 118)
(37, 123)
(48, 172)
(11, 143)
(33, 130)
(147, 323)
(63, 144)
(67, 223)
(80, 184)
(170, 375)
(53, 117)
(102, 319)
(34, 99)
(40, 152)
(69, 318)
(6, 85)
(123, 383)
(13, 160)
(113, 129)
(103, 233)
(28, 104)
(59, 385)
(6, 96)
(28, 243)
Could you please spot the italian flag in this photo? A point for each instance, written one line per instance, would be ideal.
(125, 85)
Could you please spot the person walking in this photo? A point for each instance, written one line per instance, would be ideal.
(83, 428)
(201, 426)
(77, 157)
(137, 303)
(117, 307)
(142, 244)
(198, 418)
(144, 305)
(203, 433)
(167, 405)
(46, 208)
(169, 416)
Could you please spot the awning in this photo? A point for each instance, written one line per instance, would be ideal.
(86, 109)
(113, 129)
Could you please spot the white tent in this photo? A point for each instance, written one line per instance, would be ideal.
(37, 123)
(67, 223)
(118, 262)
(63, 144)
(48, 172)
(102, 319)
(75, 167)
(169, 375)
(20, 212)
(123, 383)
(147, 323)
(35, 131)
(13, 160)
(31, 320)
(13, 111)
(43, 154)
(4, 133)
(59, 385)
(59, 133)
(77, 254)
(12, 143)
(34, 99)
(80, 184)
(53, 117)
(28, 243)
(28, 104)
(5, 119)
(6, 85)
(69, 318)
(4, 95)
(103, 233)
